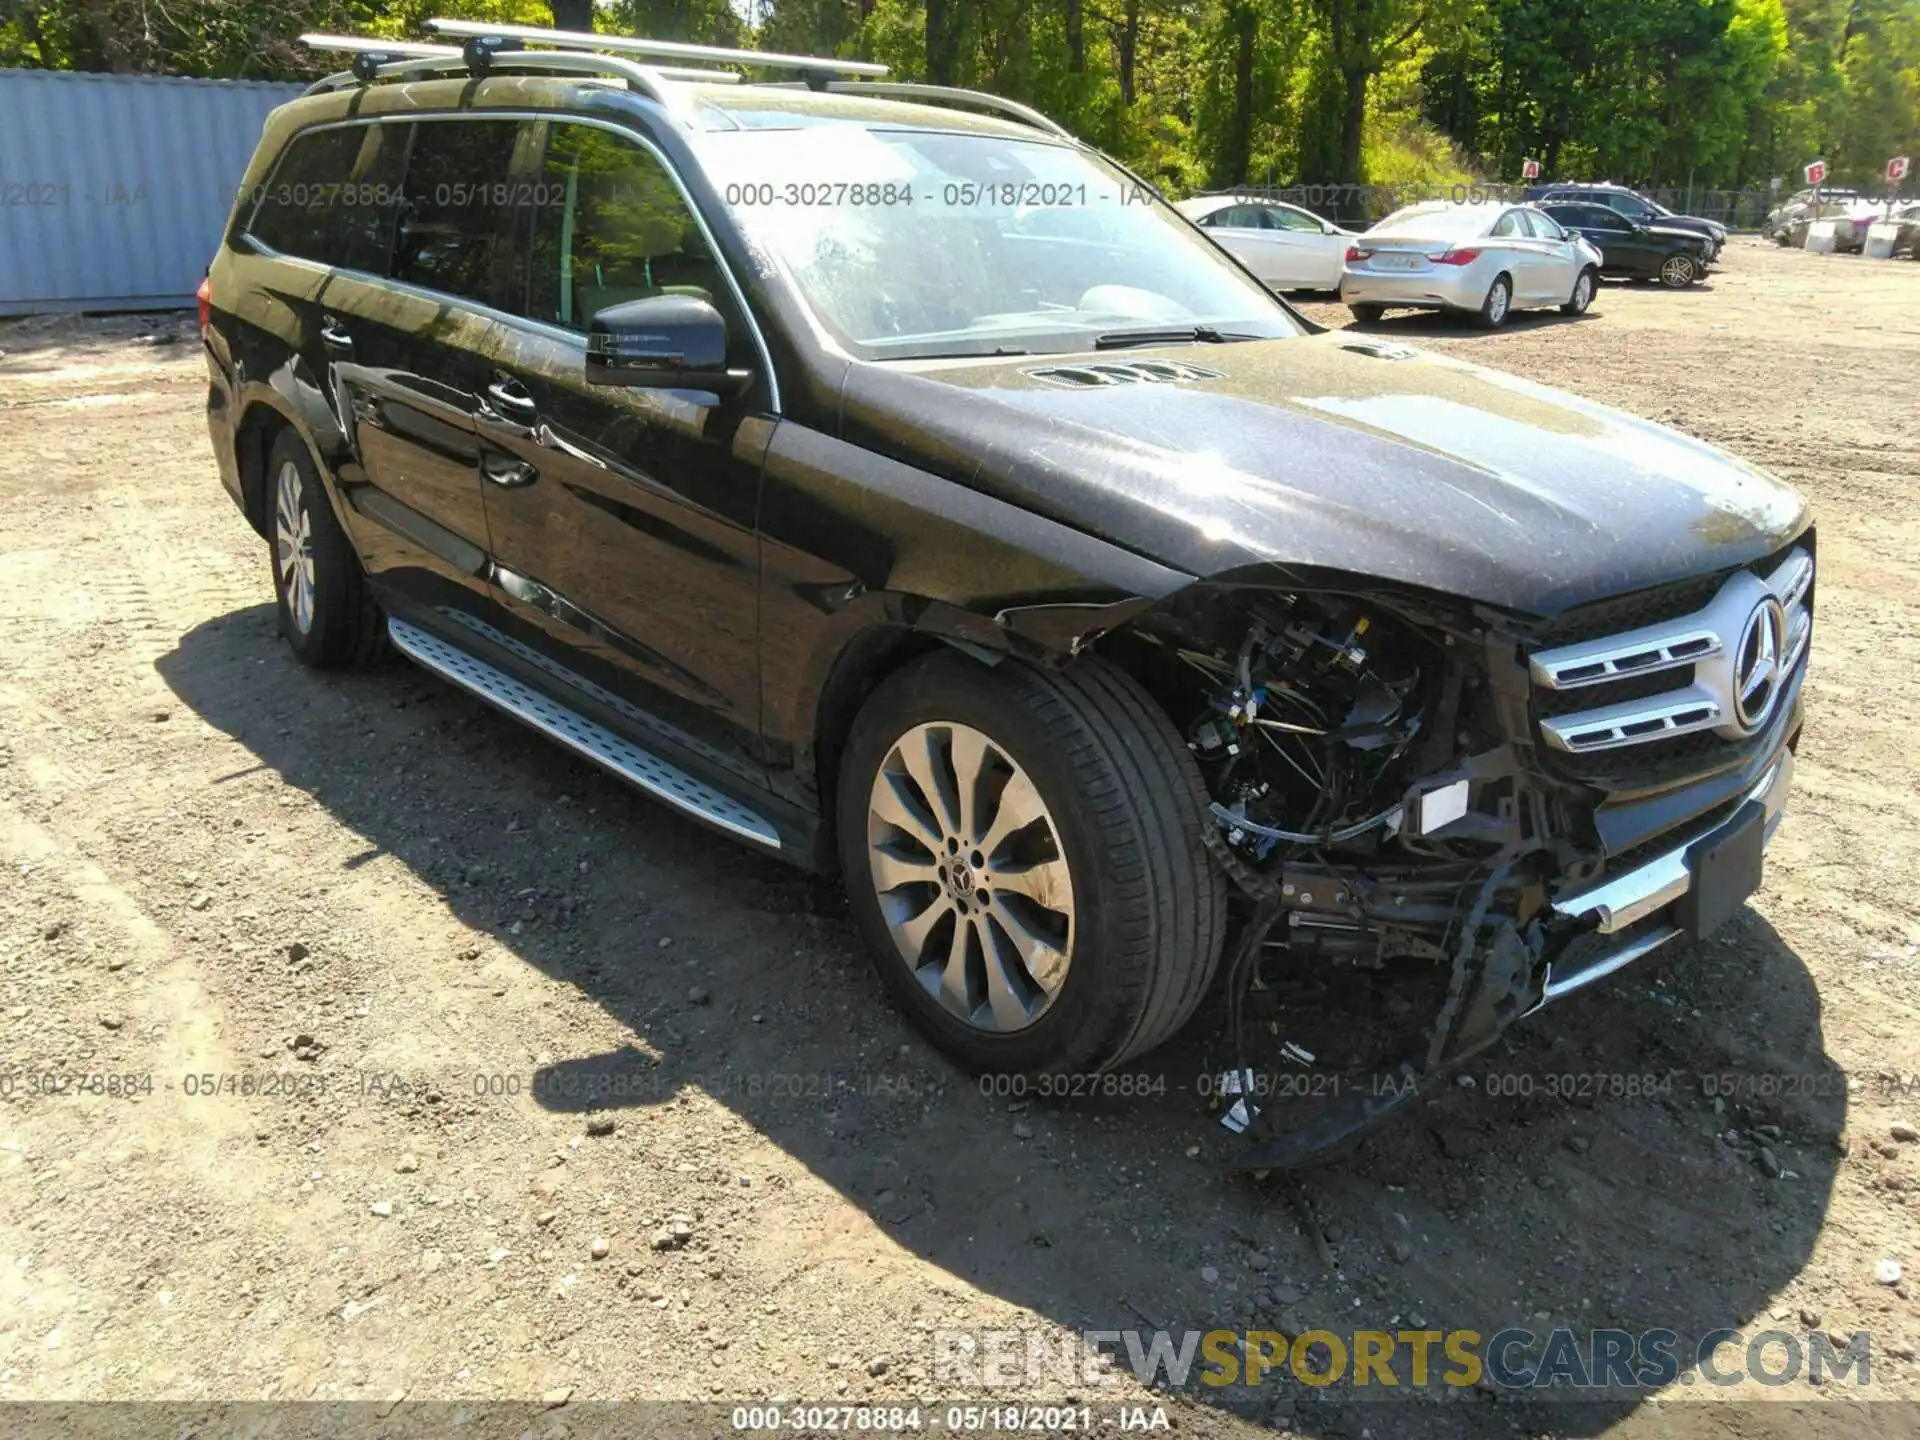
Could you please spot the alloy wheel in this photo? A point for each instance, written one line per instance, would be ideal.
(293, 547)
(1583, 292)
(972, 878)
(1497, 301)
(1677, 271)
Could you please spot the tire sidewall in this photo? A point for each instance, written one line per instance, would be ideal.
(1487, 317)
(330, 554)
(1575, 305)
(1072, 1035)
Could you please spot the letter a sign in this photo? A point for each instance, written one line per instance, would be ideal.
(1529, 169)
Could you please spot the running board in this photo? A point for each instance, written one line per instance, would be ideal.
(639, 768)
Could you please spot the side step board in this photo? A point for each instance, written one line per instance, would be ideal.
(639, 768)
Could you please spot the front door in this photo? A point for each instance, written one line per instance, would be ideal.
(623, 520)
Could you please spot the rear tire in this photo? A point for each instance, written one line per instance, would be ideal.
(327, 613)
(1677, 272)
(1368, 314)
(1109, 875)
(1497, 306)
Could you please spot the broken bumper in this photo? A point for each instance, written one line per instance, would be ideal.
(1654, 891)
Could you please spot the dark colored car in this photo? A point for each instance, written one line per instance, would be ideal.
(1635, 207)
(913, 495)
(1676, 258)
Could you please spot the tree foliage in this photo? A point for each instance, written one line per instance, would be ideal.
(1217, 92)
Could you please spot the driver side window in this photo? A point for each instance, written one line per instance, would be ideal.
(610, 226)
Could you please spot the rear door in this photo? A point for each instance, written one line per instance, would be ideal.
(1245, 232)
(405, 340)
(623, 520)
(1514, 238)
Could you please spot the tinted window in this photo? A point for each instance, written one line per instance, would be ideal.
(1628, 205)
(1293, 220)
(449, 236)
(1509, 225)
(300, 211)
(1241, 217)
(370, 200)
(610, 226)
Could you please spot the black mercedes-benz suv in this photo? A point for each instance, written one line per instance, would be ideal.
(883, 477)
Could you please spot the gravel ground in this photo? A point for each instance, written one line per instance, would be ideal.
(547, 1095)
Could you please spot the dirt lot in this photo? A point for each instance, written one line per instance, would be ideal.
(213, 857)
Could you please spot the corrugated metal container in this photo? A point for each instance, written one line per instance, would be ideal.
(113, 188)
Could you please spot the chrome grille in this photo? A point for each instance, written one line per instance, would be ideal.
(1715, 671)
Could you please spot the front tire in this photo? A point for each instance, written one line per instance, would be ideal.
(1022, 852)
(327, 614)
(1497, 306)
(1582, 296)
(1677, 272)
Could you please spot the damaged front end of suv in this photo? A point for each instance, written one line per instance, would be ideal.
(1439, 816)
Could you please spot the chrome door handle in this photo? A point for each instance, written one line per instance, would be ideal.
(334, 335)
(507, 472)
(511, 399)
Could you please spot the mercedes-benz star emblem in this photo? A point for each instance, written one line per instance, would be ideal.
(1756, 671)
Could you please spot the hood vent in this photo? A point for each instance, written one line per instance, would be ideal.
(1121, 372)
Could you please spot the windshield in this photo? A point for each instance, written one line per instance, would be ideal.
(915, 243)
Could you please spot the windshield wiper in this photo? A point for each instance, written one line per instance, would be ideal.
(1203, 334)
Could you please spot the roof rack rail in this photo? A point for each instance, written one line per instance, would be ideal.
(952, 95)
(486, 46)
(376, 59)
(661, 49)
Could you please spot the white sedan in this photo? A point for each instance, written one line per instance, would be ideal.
(1487, 260)
(1284, 246)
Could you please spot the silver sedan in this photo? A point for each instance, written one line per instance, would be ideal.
(1485, 260)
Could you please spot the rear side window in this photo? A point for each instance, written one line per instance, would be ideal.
(1509, 225)
(450, 235)
(299, 211)
(1241, 217)
(610, 225)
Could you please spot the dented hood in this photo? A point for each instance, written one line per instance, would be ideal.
(1338, 451)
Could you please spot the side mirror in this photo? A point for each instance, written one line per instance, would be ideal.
(664, 342)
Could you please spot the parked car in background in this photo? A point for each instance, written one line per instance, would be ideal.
(1286, 247)
(1635, 207)
(1676, 258)
(1487, 260)
(1850, 225)
(1905, 223)
(1787, 222)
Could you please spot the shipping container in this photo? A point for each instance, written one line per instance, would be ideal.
(114, 188)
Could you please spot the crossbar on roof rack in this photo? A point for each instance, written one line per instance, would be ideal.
(662, 49)
(369, 45)
(951, 95)
(418, 59)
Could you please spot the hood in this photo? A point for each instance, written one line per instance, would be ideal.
(1336, 451)
(1673, 232)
